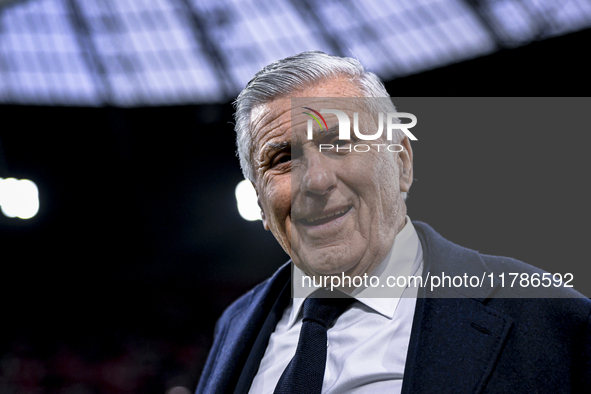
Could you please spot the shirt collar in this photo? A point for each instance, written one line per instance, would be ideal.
(404, 259)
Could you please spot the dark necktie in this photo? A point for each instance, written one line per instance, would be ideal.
(305, 372)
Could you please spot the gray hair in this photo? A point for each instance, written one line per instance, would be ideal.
(287, 75)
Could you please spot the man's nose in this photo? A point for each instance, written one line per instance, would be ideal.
(319, 177)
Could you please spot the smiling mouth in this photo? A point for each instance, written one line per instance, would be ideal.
(317, 221)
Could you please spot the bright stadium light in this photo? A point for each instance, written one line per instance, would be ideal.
(19, 198)
(246, 198)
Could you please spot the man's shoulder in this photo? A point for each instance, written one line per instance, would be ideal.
(245, 300)
(522, 280)
(513, 278)
(264, 292)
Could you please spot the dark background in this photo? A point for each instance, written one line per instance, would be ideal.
(138, 245)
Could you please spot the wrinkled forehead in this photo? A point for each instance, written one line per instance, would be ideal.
(283, 111)
(270, 120)
(349, 105)
(325, 114)
(282, 114)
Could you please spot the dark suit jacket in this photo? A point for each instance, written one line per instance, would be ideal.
(471, 341)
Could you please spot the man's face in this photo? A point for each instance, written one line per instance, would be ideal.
(331, 211)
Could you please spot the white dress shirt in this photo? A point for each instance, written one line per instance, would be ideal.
(368, 344)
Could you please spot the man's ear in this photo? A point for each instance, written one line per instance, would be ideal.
(265, 225)
(405, 165)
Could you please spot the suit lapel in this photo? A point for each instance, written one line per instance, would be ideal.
(259, 347)
(456, 340)
(454, 346)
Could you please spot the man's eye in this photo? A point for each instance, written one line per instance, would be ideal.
(341, 142)
(284, 158)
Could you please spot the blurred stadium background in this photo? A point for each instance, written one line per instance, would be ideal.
(120, 112)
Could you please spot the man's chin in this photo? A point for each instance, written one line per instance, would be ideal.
(325, 266)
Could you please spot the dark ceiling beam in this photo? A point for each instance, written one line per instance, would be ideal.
(6, 3)
(483, 17)
(4, 67)
(354, 9)
(211, 48)
(306, 9)
(90, 53)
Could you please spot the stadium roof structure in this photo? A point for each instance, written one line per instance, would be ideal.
(131, 53)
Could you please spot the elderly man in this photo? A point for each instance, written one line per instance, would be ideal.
(339, 211)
